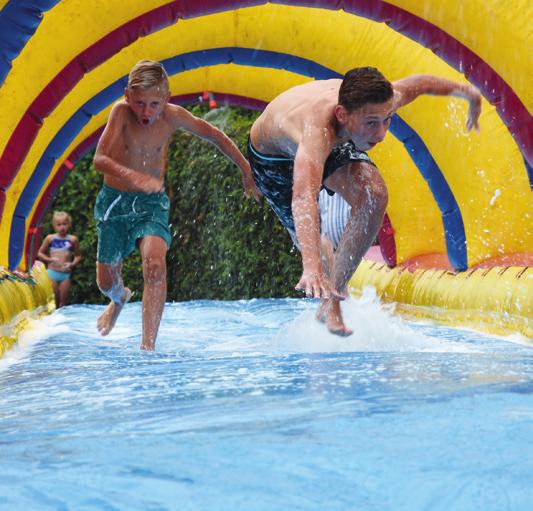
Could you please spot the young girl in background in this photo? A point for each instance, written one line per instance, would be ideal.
(61, 253)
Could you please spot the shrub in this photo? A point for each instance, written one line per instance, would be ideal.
(224, 246)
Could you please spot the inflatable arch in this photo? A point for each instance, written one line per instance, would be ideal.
(456, 200)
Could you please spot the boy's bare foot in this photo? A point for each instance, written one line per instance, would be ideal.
(321, 312)
(148, 346)
(330, 313)
(107, 320)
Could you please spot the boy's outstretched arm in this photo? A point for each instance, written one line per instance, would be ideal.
(308, 170)
(185, 120)
(408, 89)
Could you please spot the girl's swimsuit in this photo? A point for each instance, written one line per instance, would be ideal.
(58, 276)
(59, 244)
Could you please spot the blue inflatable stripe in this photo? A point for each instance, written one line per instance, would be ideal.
(19, 20)
(454, 228)
(247, 57)
(529, 173)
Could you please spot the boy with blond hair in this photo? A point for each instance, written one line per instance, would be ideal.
(132, 207)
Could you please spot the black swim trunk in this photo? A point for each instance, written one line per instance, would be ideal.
(273, 175)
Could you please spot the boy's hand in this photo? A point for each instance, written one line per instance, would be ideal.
(474, 110)
(147, 183)
(249, 185)
(315, 285)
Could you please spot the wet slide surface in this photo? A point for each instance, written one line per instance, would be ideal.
(252, 405)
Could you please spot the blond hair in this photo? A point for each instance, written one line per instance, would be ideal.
(61, 214)
(146, 74)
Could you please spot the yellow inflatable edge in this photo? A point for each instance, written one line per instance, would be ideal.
(23, 298)
(496, 300)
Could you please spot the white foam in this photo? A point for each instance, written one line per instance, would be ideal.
(37, 331)
(375, 328)
(517, 338)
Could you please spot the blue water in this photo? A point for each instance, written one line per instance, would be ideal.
(252, 405)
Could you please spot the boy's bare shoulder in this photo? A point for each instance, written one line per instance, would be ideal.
(174, 110)
(176, 115)
(119, 109)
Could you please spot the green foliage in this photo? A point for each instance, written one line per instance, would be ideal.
(224, 245)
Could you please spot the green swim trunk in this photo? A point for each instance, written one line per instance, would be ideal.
(122, 218)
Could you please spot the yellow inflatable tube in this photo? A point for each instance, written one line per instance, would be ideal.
(23, 298)
(498, 300)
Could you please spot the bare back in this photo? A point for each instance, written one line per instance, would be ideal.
(281, 126)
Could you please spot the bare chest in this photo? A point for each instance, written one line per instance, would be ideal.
(144, 147)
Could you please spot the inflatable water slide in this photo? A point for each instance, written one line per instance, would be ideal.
(457, 244)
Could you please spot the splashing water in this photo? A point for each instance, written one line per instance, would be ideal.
(219, 117)
(253, 405)
(375, 329)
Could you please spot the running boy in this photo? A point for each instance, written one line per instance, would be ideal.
(64, 255)
(132, 207)
(315, 135)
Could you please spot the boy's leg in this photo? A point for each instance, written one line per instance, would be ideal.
(361, 185)
(153, 252)
(109, 280)
(64, 291)
(326, 255)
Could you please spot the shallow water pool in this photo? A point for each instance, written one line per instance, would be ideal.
(252, 405)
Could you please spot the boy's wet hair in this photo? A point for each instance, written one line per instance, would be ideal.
(146, 74)
(61, 214)
(363, 85)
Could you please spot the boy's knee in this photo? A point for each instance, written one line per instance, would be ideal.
(105, 285)
(155, 270)
(114, 291)
(111, 289)
(106, 289)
